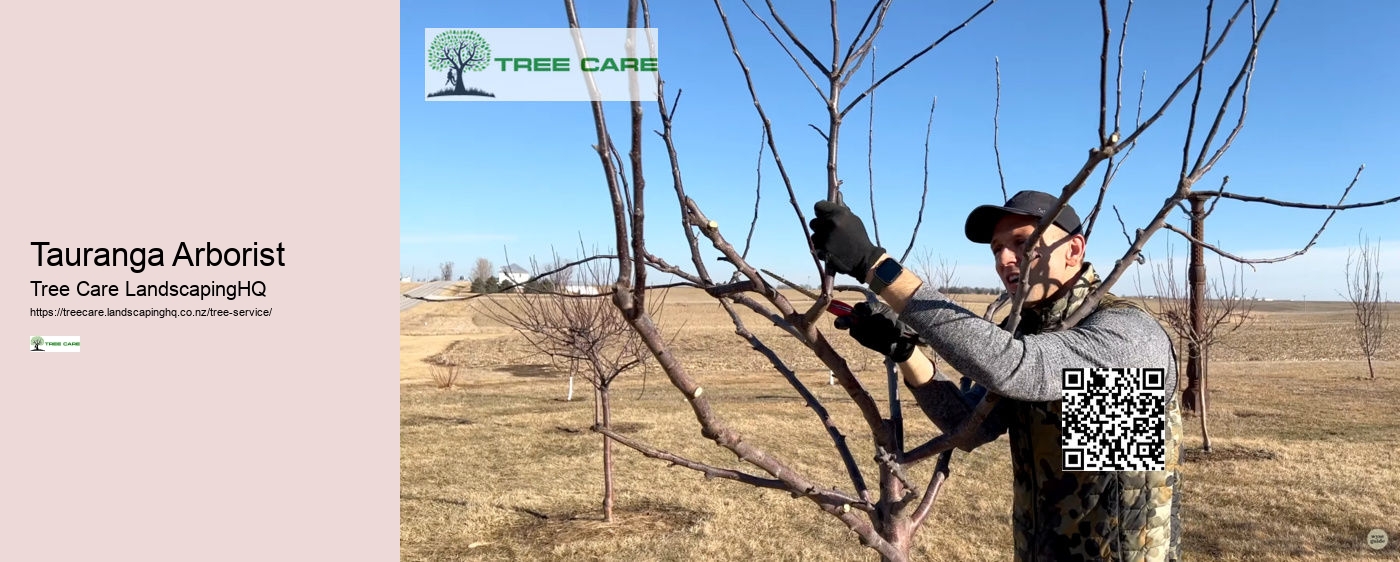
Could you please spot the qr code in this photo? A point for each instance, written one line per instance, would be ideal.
(1114, 419)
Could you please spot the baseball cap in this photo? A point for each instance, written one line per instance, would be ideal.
(983, 220)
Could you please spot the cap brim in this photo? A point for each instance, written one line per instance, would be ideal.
(982, 222)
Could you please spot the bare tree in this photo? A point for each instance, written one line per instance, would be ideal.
(1225, 310)
(1363, 275)
(446, 373)
(935, 270)
(482, 270)
(445, 271)
(585, 333)
(887, 515)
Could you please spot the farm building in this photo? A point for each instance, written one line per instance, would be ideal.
(514, 275)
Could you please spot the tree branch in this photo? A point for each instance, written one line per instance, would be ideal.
(1246, 75)
(780, 43)
(757, 196)
(996, 130)
(1296, 205)
(1187, 80)
(793, 37)
(869, 145)
(1196, 97)
(837, 438)
(916, 56)
(880, 7)
(603, 146)
(923, 197)
(639, 269)
(768, 128)
(935, 485)
(1103, 75)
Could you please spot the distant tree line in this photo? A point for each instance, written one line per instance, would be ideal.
(484, 281)
(960, 290)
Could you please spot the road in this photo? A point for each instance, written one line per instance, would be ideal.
(423, 290)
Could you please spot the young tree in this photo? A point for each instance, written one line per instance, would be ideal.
(887, 515)
(1226, 308)
(583, 332)
(1363, 277)
(936, 269)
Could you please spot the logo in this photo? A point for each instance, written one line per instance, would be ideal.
(68, 344)
(458, 51)
(1377, 539)
(541, 64)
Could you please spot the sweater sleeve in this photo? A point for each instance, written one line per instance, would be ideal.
(947, 405)
(1029, 367)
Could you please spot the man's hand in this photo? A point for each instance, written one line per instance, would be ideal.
(878, 328)
(839, 238)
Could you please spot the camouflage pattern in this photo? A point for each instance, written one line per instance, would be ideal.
(1064, 516)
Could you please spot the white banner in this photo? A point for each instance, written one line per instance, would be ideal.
(540, 64)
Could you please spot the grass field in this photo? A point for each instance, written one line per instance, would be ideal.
(1306, 459)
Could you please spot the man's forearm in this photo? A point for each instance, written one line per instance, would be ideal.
(947, 406)
(917, 370)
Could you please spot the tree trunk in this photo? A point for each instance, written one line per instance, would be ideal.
(895, 525)
(894, 521)
(1205, 377)
(1192, 399)
(1370, 367)
(900, 534)
(607, 455)
(461, 86)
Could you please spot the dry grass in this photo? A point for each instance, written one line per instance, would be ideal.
(502, 468)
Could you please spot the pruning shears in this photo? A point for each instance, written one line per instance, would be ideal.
(838, 308)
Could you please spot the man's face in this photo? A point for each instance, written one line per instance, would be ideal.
(1054, 262)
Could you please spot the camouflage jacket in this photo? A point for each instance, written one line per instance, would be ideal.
(1059, 515)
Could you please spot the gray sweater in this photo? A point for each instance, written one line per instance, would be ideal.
(1026, 367)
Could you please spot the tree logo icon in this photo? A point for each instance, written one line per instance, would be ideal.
(458, 51)
(36, 341)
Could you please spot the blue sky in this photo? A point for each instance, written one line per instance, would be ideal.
(484, 179)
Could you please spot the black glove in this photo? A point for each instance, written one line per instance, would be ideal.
(878, 327)
(839, 238)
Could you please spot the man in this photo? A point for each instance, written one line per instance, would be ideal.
(1057, 514)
